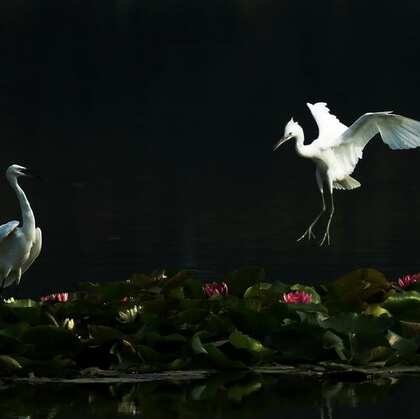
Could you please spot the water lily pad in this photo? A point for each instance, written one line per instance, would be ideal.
(51, 340)
(197, 345)
(332, 341)
(404, 306)
(353, 291)
(101, 334)
(240, 280)
(219, 359)
(9, 365)
(241, 341)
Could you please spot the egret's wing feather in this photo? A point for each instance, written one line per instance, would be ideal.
(35, 250)
(397, 131)
(329, 126)
(8, 228)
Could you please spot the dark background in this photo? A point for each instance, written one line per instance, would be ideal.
(152, 123)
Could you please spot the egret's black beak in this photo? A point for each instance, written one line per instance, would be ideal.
(282, 141)
(23, 171)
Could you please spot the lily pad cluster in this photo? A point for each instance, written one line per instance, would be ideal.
(172, 321)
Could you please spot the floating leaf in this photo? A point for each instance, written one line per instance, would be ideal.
(102, 334)
(332, 341)
(239, 281)
(404, 306)
(357, 323)
(219, 359)
(9, 365)
(258, 290)
(51, 339)
(356, 289)
(405, 348)
(176, 281)
(377, 311)
(242, 341)
(196, 344)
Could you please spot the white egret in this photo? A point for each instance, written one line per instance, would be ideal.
(338, 148)
(19, 246)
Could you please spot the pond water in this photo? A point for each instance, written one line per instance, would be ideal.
(152, 124)
(239, 396)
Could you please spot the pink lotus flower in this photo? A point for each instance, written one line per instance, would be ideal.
(297, 297)
(215, 288)
(61, 297)
(407, 280)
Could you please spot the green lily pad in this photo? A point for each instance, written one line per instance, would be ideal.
(353, 291)
(101, 334)
(240, 280)
(219, 359)
(404, 306)
(197, 345)
(9, 365)
(51, 340)
(241, 341)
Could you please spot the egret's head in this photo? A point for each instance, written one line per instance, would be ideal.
(292, 130)
(15, 171)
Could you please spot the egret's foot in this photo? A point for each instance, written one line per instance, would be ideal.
(308, 233)
(325, 238)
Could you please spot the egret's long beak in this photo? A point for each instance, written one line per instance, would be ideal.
(282, 141)
(23, 171)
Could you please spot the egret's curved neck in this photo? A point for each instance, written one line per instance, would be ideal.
(300, 146)
(28, 218)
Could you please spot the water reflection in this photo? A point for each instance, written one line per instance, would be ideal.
(230, 396)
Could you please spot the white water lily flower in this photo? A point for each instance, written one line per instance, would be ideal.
(68, 324)
(129, 315)
(10, 300)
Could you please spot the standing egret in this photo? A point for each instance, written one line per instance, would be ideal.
(19, 246)
(338, 148)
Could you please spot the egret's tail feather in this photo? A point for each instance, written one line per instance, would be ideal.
(347, 183)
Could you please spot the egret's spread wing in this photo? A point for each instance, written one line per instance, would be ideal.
(329, 126)
(7, 229)
(35, 250)
(397, 131)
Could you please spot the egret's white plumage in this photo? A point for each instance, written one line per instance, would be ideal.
(338, 148)
(19, 246)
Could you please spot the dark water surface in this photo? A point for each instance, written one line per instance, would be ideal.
(222, 397)
(152, 123)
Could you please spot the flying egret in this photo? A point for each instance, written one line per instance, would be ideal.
(338, 148)
(19, 246)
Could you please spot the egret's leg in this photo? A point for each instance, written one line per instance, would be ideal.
(17, 283)
(327, 230)
(3, 282)
(308, 232)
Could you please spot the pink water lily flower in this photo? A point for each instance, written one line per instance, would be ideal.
(408, 280)
(297, 297)
(61, 297)
(215, 288)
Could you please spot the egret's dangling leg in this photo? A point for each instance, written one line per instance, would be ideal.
(308, 232)
(327, 230)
